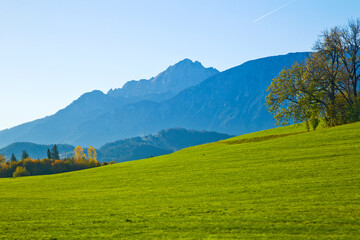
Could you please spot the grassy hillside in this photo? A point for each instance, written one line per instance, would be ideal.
(276, 184)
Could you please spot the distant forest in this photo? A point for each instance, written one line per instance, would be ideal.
(27, 166)
(74, 158)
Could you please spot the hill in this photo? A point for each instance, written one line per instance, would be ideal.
(282, 183)
(164, 142)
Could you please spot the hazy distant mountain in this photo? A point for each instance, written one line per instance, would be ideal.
(231, 102)
(66, 125)
(61, 126)
(167, 84)
(34, 150)
(165, 142)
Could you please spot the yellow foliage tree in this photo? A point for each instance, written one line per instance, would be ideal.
(92, 153)
(92, 157)
(2, 159)
(79, 153)
(20, 171)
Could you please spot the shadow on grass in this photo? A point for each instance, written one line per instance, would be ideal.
(260, 139)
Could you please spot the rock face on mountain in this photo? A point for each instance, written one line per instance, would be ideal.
(167, 84)
(231, 102)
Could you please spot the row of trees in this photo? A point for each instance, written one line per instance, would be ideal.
(326, 86)
(28, 166)
(54, 155)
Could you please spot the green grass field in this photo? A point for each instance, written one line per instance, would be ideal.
(277, 184)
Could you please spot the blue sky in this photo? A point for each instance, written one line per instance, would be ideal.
(51, 51)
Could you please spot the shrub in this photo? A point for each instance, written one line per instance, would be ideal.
(20, 172)
(314, 121)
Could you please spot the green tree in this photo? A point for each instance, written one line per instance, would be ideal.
(325, 86)
(284, 100)
(48, 154)
(13, 158)
(24, 155)
(55, 153)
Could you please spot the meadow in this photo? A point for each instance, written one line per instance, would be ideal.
(281, 183)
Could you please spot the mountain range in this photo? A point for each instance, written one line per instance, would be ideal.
(185, 95)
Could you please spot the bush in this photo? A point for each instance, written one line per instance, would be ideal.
(354, 112)
(20, 172)
(314, 121)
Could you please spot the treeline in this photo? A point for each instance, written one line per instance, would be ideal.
(27, 166)
(326, 87)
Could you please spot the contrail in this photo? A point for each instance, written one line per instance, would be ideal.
(269, 13)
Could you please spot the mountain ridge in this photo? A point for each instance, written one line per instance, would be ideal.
(229, 102)
(168, 83)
